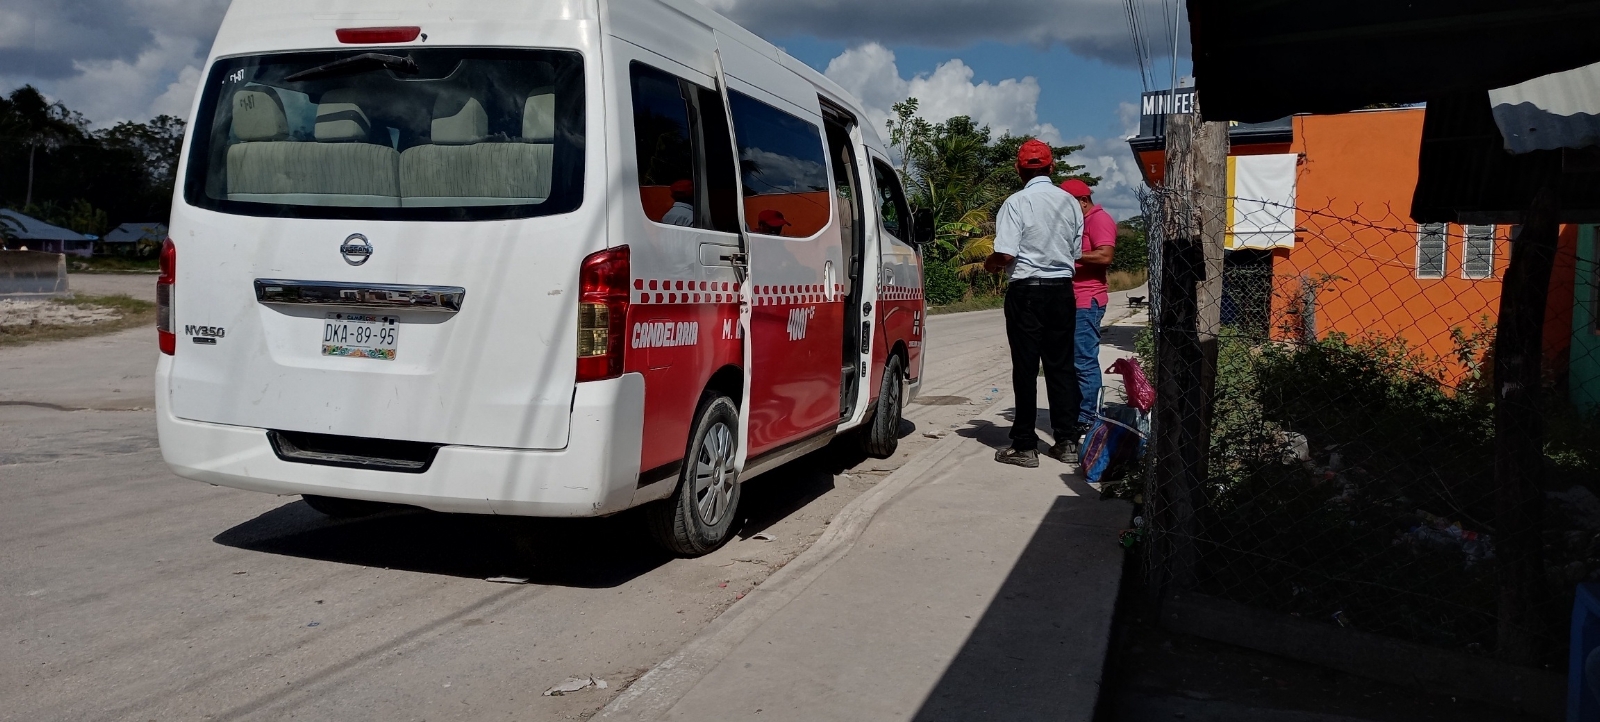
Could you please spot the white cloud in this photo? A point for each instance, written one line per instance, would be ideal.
(870, 73)
(1091, 28)
(161, 79)
(1113, 162)
(109, 59)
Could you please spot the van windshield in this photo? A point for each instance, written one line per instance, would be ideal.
(391, 134)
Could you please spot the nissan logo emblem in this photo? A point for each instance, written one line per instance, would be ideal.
(356, 249)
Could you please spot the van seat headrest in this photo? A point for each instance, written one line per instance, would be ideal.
(258, 116)
(539, 118)
(339, 120)
(468, 124)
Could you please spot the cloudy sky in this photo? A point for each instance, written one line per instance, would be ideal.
(1060, 69)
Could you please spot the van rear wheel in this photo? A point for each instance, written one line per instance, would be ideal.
(881, 436)
(699, 515)
(343, 508)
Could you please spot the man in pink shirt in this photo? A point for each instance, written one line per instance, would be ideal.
(1089, 285)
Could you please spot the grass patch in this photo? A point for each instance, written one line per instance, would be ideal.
(133, 314)
(1126, 280)
(985, 302)
(113, 264)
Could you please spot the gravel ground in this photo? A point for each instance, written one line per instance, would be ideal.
(50, 313)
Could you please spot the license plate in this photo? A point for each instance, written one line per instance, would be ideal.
(355, 335)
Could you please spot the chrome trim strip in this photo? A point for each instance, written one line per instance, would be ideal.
(439, 299)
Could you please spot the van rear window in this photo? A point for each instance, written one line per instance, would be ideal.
(391, 134)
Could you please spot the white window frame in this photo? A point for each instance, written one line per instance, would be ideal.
(1444, 249)
(1466, 242)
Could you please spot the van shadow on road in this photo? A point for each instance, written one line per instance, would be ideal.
(584, 553)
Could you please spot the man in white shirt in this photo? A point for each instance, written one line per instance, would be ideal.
(1038, 238)
(682, 211)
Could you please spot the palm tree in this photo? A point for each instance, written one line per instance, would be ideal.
(30, 118)
(9, 228)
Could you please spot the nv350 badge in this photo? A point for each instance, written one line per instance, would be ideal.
(205, 335)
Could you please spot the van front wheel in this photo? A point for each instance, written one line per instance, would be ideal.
(881, 435)
(699, 515)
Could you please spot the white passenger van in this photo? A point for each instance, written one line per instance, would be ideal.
(527, 257)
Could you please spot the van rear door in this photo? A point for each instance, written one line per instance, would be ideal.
(385, 244)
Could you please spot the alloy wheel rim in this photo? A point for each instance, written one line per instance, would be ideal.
(714, 479)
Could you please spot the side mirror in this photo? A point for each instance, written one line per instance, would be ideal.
(922, 227)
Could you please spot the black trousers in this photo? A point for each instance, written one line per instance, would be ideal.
(1041, 322)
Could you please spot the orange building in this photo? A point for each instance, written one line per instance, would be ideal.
(1354, 262)
(1370, 269)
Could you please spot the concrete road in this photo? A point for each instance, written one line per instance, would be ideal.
(138, 285)
(135, 595)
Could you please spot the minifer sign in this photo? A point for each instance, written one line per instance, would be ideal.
(1156, 105)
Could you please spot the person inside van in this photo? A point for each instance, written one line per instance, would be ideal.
(682, 211)
(771, 222)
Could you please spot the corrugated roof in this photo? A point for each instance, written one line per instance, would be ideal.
(33, 229)
(135, 232)
(1560, 110)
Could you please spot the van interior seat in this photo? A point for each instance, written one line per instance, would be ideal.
(340, 168)
(463, 167)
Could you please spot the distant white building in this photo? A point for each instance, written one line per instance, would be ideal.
(36, 235)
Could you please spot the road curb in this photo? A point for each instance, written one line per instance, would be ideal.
(655, 693)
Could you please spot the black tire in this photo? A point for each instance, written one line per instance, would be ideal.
(344, 508)
(700, 514)
(880, 436)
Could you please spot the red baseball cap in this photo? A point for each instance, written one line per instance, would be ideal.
(772, 219)
(1077, 188)
(1035, 154)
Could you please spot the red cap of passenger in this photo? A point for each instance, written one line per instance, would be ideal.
(1035, 154)
(1077, 188)
(772, 219)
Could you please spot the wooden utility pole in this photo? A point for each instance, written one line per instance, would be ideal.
(1210, 193)
(1187, 327)
(1519, 424)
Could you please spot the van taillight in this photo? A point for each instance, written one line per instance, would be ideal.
(603, 297)
(164, 285)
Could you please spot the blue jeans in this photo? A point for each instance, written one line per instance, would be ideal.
(1086, 355)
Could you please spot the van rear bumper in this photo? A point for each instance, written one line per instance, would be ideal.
(597, 474)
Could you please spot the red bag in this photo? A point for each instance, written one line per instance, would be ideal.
(1141, 395)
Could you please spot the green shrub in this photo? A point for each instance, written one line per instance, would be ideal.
(940, 284)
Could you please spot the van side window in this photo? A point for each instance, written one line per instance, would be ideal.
(892, 201)
(718, 164)
(684, 152)
(784, 167)
(663, 136)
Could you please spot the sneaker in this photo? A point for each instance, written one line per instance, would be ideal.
(1065, 451)
(1025, 458)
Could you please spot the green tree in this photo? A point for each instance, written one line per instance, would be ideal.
(50, 162)
(958, 170)
(27, 117)
(158, 143)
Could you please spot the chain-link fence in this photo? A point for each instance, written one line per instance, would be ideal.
(1324, 439)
